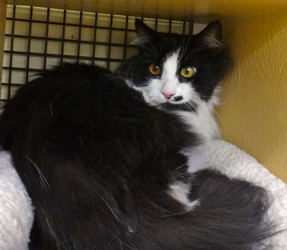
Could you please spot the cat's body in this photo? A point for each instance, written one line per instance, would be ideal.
(106, 170)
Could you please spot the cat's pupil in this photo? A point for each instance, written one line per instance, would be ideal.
(188, 72)
(155, 69)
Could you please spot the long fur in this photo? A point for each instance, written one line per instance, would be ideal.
(97, 162)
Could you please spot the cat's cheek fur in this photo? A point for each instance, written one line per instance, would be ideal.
(203, 121)
(186, 91)
(153, 92)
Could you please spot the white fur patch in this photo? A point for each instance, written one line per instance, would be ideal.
(169, 80)
(179, 191)
(197, 158)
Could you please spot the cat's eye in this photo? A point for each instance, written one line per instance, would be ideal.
(188, 72)
(155, 69)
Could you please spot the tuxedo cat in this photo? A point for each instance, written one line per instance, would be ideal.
(102, 161)
(180, 73)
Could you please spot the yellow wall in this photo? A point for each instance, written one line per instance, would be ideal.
(254, 108)
(169, 9)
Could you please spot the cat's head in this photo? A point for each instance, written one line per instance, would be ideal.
(177, 72)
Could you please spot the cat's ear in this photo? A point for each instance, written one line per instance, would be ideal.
(211, 35)
(144, 33)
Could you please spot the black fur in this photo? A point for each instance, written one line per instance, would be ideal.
(96, 161)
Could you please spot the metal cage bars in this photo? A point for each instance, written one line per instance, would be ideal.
(39, 38)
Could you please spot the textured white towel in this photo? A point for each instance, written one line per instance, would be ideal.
(234, 162)
(16, 212)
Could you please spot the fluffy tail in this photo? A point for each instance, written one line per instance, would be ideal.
(231, 215)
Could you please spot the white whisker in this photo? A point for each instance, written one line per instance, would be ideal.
(120, 241)
(110, 208)
(43, 181)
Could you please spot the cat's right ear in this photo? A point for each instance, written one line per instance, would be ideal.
(211, 35)
(144, 33)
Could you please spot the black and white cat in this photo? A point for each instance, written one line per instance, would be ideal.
(180, 73)
(102, 165)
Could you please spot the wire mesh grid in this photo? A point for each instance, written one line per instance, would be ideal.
(38, 38)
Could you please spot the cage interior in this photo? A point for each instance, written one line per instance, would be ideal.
(252, 113)
(37, 38)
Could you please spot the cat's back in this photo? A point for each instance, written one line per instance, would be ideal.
(68, 94)
(84, 109)
(67, 83)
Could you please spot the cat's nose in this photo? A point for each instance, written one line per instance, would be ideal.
(168, 95)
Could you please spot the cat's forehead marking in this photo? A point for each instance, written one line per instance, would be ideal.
(170, 65)
(169, 79)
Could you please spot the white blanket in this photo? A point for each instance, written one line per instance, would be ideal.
(16, 213)
(234, 162)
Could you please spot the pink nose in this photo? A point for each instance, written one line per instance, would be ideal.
(168, 95)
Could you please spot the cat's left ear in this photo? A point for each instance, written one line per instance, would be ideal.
(144, 33)
(211, 35)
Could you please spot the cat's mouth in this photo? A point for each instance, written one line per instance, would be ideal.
(187, 106)
(177, 98)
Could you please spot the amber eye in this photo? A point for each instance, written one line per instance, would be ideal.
(188, 72)
(154, 69)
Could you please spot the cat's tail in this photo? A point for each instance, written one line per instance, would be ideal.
(231, 215)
